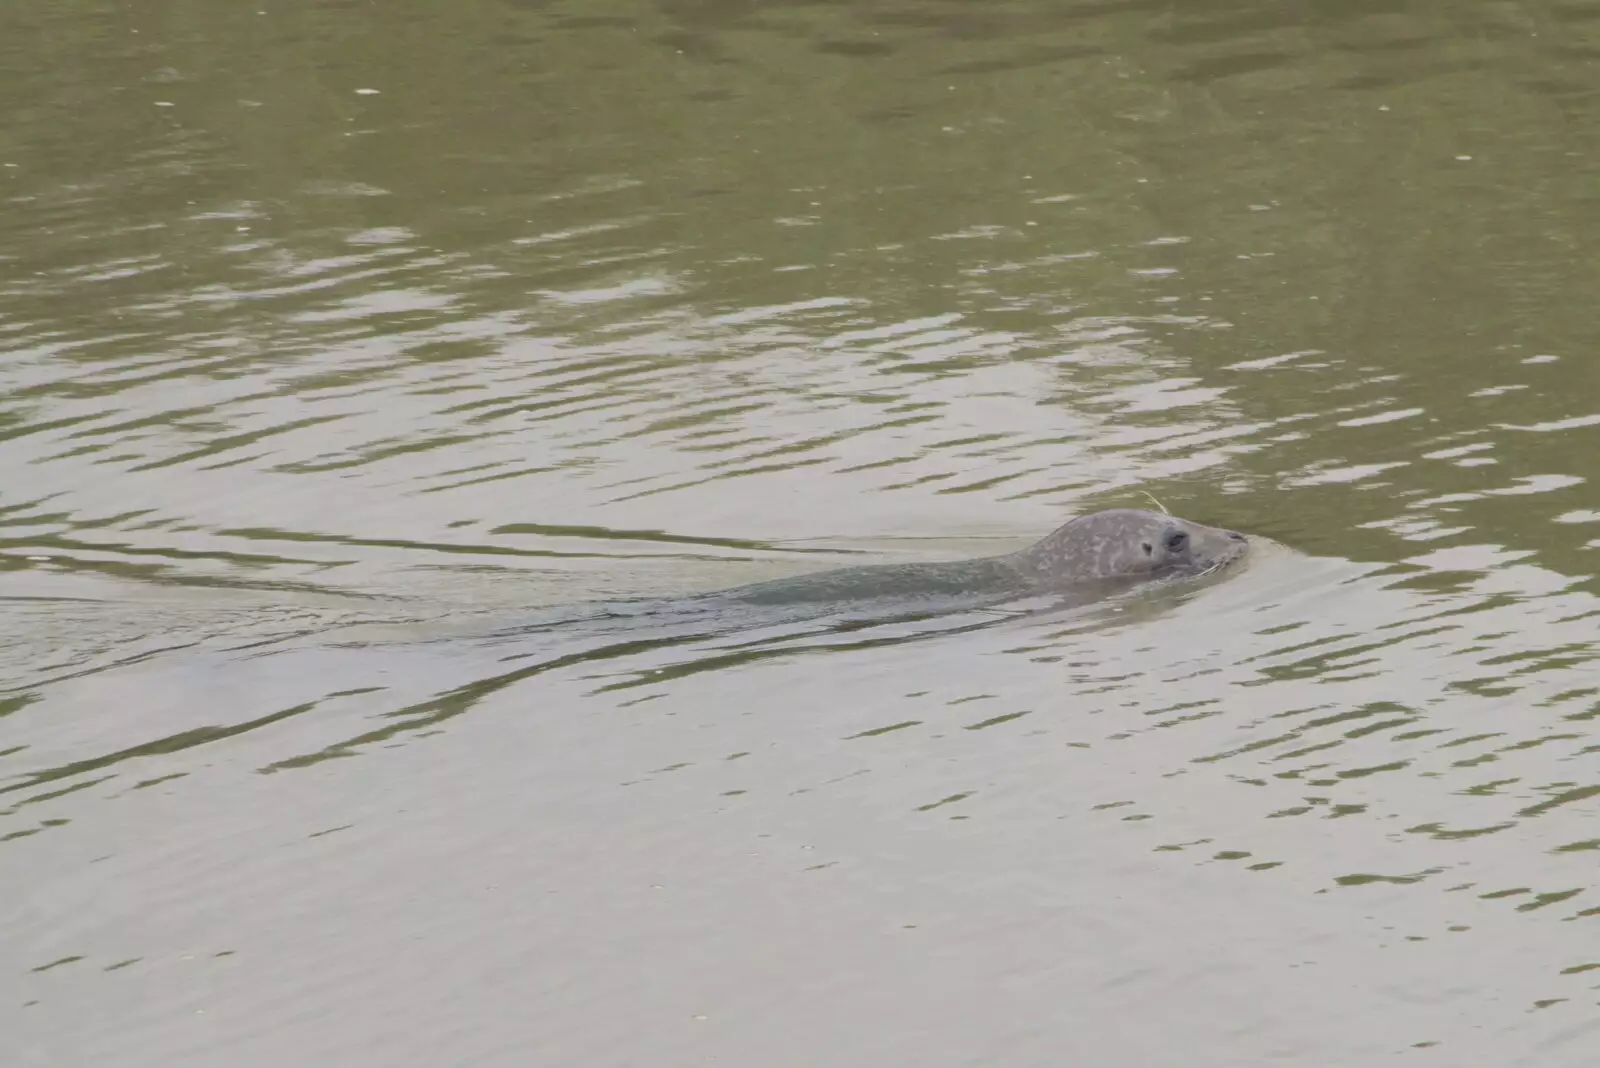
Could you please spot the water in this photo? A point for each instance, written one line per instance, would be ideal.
(335, 340)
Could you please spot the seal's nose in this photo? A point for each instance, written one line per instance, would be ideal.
(1236, 536)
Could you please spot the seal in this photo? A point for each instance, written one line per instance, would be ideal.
(1085, 560)
(1117, 547)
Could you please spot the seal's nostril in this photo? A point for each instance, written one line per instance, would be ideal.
(1236, 536)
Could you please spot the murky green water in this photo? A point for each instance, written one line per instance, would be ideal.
(335, 335)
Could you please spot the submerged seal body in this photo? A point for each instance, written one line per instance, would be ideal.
(1115, 547)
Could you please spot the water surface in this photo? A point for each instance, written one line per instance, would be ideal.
(335, 340)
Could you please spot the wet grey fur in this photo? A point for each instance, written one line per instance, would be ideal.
(1117, 547)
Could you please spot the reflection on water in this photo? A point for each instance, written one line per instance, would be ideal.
(333, 346)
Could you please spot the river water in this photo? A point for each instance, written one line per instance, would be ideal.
(338, 335)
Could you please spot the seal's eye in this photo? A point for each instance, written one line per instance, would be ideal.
(1177, 541)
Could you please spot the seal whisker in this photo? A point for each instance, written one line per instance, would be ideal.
(1155, 501)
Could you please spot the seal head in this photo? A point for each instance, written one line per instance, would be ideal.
(1127, 543)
